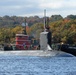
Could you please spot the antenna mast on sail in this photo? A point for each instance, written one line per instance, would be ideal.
(44, 20)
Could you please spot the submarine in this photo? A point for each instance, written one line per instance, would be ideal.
(45, 50)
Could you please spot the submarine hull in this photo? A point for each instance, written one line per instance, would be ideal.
(36, 53)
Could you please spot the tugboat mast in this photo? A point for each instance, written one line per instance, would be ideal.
(24, 27)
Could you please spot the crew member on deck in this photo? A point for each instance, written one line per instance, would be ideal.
(49, 36)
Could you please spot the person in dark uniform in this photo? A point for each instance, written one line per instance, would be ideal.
(49, 36)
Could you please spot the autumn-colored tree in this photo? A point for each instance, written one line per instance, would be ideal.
(64, 31)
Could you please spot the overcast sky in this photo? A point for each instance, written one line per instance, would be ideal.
(36, 7)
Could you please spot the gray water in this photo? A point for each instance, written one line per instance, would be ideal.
(27, 65)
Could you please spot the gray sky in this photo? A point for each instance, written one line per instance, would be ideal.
(36, 7)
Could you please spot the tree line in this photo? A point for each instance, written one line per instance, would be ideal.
(63, 29)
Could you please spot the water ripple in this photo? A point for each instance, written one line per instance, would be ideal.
(23, 65)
